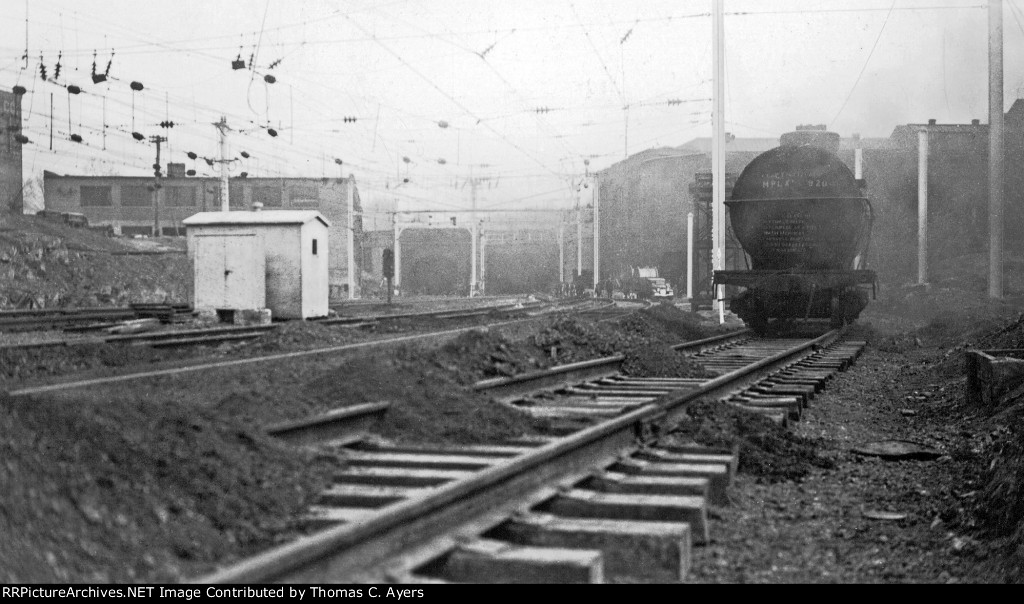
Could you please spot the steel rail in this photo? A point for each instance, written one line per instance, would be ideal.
(354, 549)
(562, 375)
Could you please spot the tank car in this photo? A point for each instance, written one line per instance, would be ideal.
(804, 223)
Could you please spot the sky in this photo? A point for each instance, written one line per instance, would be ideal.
(419, 98)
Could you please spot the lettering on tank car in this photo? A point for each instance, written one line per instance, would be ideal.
(778, 180)
(790, 233)
(818, 183)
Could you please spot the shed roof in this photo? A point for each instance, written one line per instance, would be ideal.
(261, 217)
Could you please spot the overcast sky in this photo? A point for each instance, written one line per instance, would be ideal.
(516, 92)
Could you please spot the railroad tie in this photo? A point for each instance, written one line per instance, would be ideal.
(582, 503)
(717, 474)
(490, 561)
(630, 549)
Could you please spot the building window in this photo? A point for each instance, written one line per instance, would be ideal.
(180, 197)
(314, 247)
(96, 197)
(136, 196)
(270, 197)
(304, 196)
(236, 195)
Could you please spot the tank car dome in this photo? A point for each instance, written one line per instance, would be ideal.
(795, 172)
(816, 136)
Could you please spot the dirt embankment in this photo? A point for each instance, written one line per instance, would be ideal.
(44, 264)
(158, 481)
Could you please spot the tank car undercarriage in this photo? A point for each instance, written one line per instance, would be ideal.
(774, 299)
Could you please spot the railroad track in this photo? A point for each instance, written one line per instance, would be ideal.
(217, 335)
(88, 318)
(603, 502)
(197, 337)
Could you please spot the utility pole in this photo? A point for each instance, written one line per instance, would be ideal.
(156, 184)
(995, 148)
(718, 146)
(579, 234)
(351, 237)
(596, 197)
(473, 183)
(222, 128)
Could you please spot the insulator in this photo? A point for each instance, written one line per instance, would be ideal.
(406, 160)
(136, 85)
(137, 136)
(209, 162)
(19, 90)
(271, 132)
(190, 173)
(98, 77)
(245, 154)
(192, 155)
(238, 64)
(74, 89)
(243, 175)
(76, 138)
(442, 124)
(21, 138)
(337, 161)
(156, 167)
(269, 79)
(442, 161)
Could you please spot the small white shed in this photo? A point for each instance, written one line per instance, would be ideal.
(274, 259)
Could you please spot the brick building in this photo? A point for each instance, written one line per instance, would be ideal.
(129, 206)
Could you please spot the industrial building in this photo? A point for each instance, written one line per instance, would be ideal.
(131, 206)
(645, 199)
(11, 197)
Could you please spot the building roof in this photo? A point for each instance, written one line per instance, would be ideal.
(261, 217)
(736, 145)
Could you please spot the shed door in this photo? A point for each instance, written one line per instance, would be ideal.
(230, 272)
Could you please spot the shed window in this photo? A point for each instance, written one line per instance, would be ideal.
(96, 196)
(314, 247)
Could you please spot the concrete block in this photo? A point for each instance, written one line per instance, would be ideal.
(629, 548)
(993, 375)
(252, 316)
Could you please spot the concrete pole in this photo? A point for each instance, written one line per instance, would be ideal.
(596, 196)
(579, 235)
(483, 262)
(718, 145)
(995, 148)
(398, 254)
(689, 256)
(351, 261)
(472, 245)
(222, 127)
(561, 253)
(922, 206)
